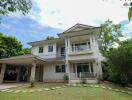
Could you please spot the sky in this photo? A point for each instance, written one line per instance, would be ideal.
(50, 17)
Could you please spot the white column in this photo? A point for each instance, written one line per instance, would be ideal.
(66, 48)
(69, 45)
(91, 42)
(3, 68)
(99, 69)
(18, 73)
(68, 68)
(33, 70)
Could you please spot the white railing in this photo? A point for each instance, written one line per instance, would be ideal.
(80, 48)
(62, 54)
(82, 74)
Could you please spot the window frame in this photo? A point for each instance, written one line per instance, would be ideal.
(50, 49)
(41, 47)
(62, 68)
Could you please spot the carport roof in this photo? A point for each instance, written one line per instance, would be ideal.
(22, 59)
(28, 58)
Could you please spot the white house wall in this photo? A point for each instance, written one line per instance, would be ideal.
(49, 73)
(45, 54)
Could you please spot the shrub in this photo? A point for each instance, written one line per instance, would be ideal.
(32, 84)
(83, 78)
(66, 78)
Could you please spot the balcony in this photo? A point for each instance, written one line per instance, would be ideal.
(80, 48)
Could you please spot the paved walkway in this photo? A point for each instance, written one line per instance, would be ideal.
(7, 86)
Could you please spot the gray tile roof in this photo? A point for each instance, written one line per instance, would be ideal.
(33, 56)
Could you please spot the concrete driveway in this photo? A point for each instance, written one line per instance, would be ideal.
(7, 86)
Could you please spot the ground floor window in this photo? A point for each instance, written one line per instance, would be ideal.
(60, 68)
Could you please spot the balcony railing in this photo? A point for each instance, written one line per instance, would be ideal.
(84, 75)
(80, 48)
(62, 54)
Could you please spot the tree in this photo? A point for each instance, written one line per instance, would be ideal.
(130, 12)
(8, 6)
(110, 34)
(26, 50)
(120, 60)
(50, 38)
(10, 46)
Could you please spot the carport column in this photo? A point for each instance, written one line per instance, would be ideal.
(3, 68)
(33, 70)
(18, 68)
(68, 69)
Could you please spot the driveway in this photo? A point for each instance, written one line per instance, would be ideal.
(7, 86)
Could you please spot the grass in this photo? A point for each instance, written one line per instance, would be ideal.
(69, 93)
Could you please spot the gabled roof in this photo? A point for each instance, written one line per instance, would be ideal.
(78, 27)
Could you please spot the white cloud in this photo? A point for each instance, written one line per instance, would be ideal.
(64, 13)
(129, 25)
(128, 29)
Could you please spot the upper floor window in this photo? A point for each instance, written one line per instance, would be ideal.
(50, 48)
(40, 49)
(60, 69)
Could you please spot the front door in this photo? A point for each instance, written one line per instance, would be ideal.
(82, 68)
(39, 73)
(85, 69)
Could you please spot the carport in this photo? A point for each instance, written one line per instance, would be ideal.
(28, 65)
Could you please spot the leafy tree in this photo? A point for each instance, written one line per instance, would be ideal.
(110, 34)
(8, 6)
(10, 46)
(50, 38)
(130, 12)
(26, 50)
(120, 60)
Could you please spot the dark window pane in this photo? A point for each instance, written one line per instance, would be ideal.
(0, 69)
(60, 68)
(63, 68)
(50, 48)
(40, 49)
(91, 66)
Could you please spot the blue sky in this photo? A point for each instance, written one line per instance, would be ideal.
(49, 17)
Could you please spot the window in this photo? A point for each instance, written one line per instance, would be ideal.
(40, 49)
(50, 48)
(60, 69)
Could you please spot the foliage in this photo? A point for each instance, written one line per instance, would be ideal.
(8, 6)
(130, 12)
(83, 78)
(50, 38)
(32, 84)
(10, 46)
(120, 63)
(66, 78)
(26, 50)
(110, 34)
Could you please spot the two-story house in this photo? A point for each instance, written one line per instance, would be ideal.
(74, 53)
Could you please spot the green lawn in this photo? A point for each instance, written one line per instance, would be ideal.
(68, 93)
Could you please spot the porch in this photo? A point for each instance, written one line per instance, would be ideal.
(87, 69)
